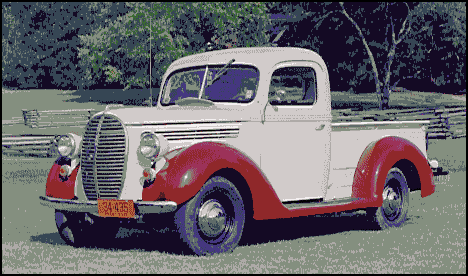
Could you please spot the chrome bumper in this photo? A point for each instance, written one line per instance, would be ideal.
(439, 171)
(436, 169)
(141, 207)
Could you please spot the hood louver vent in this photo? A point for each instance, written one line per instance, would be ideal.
(209, 133)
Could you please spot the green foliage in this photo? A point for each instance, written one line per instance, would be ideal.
(82, 44)
(40, 41)
(439, 35)
(171, 31)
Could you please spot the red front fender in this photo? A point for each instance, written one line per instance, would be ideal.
(61, 188)
(378, 158)
(188, 171)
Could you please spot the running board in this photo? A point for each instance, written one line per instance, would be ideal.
(318, 203)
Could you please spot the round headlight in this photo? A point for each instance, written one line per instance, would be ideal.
(66, 145)
(149, 145)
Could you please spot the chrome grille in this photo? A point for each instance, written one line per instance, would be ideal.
(103, 157)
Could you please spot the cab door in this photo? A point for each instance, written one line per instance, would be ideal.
(296, 131)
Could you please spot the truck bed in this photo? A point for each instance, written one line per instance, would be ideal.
(349, 140)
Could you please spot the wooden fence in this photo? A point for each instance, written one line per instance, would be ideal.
(45, 144)
(56, 118)
(444, 123)
(30, 145)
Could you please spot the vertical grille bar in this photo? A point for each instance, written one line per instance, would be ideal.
(95, 169)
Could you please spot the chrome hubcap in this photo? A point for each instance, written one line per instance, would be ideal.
(392, 203)
(212, 218)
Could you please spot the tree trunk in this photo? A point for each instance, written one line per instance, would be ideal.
(371, 56)
(385, 99)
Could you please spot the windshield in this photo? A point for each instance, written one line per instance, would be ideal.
(237, 84)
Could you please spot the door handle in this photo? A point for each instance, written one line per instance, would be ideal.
(322, 126)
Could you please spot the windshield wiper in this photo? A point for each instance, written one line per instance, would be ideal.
(221, 72)
(194, 101)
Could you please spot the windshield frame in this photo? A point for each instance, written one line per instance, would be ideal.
(206, 68)
(203, 83)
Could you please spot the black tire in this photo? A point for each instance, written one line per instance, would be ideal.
(395, 206)
(74, 228)
(219, 233)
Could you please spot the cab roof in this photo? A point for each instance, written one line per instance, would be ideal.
(259, 57)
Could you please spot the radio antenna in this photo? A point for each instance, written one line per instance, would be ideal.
(151, 89)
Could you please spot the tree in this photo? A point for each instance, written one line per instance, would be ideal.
(450, 43)
(8, 45)
(400, 47)
(434, 48)
(121, 50)
(397, 44)
(396, 39)
(40, 41)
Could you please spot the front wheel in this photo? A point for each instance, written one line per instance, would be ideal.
(395, 204)
(75, 228)
(212, 221)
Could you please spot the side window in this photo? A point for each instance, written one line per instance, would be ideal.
(293, 86)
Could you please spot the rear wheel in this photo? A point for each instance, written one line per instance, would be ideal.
(212, 221)
(395, 204)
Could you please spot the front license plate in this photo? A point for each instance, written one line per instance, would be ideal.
(116, 208)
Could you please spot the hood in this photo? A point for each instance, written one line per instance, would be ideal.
(181, 114)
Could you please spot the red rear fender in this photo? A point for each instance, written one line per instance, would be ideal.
(378, 158)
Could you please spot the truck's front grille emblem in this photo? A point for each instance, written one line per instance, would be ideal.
(103, 157)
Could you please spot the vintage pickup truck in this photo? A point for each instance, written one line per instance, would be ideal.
(235, 135)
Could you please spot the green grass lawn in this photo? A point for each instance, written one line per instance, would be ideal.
(52, 99)
(432, 240)
(451, 154)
